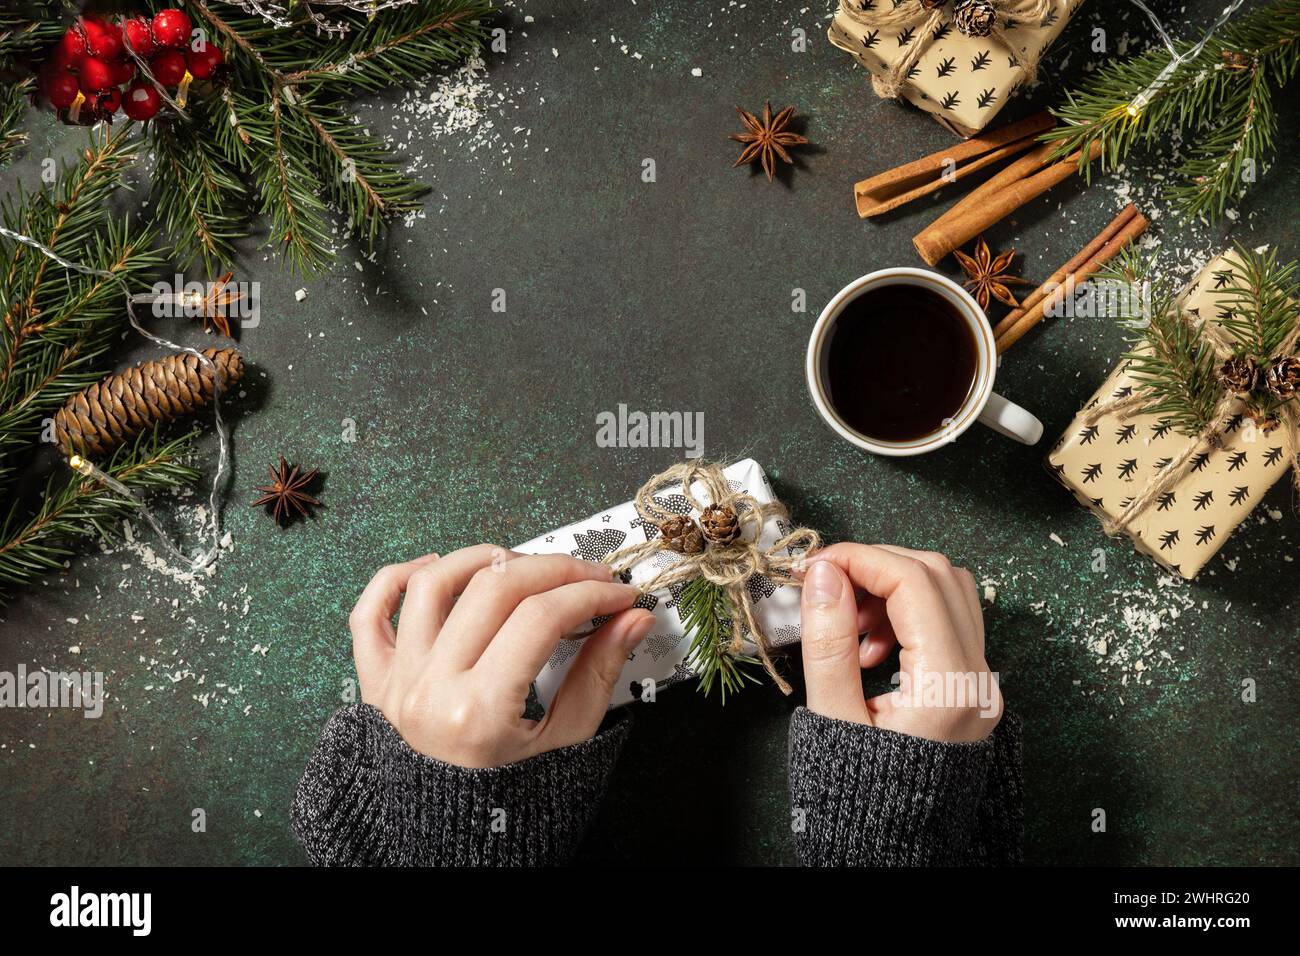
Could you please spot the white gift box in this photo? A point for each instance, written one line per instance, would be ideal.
(660, 659)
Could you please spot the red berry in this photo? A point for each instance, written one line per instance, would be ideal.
(62, 90)
(109, 103)
(138, 35)
(123, 73)
(204, 62)
(96, 75)
(73, 45)
(168, 67)
(103, 40)
(171, 28)
(142, 102)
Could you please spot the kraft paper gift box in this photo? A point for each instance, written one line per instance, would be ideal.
(661, 657)
(962, 81)
(1109, 462)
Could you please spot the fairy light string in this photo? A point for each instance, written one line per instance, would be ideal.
(1135, 106)
(86, 468)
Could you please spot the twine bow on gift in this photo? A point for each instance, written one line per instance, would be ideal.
(1232, 402)
(972, 18)
(723, 549)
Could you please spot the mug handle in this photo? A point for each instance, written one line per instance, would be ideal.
(1011, 420)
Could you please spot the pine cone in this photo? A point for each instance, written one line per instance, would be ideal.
(720, 524)
(932, 4)
(1283, 377)
(682, 535)
(1239, 374)
(112, 411)
(974, 18)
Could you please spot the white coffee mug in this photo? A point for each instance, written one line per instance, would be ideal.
(982, 403)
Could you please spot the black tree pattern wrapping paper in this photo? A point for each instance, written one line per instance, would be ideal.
(1110, 461)
(962, 81)
(661, 657)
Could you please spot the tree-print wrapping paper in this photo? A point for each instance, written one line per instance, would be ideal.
(962, 81)
(1111, 461)
(661, 657)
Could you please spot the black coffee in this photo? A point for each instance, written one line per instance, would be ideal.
(901, 362)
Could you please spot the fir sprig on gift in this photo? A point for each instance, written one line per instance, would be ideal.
(1173, 363)
(1261, 298)
(1223, 97)
(707, 615)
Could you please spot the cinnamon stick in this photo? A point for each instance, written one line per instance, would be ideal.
(1059, 276)
(985, 207)
(894, 187)
(1013, 173)
(1134, 227)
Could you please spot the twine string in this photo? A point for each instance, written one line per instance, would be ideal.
(86, 468)
(729, 566)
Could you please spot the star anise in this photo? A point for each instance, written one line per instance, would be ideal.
(287, 492)
(767, 138)
(211, 309)
(986, 275)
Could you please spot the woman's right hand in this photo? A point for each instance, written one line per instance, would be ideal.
(476, 628)
(918, 600)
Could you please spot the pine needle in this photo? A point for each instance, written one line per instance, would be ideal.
(707, 614)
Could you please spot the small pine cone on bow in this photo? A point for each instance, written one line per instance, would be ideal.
(1239, 374)
(1283, 377)
(116, 409)
(974, 18)
(1267, 423)
(720, 523)
(682, 534)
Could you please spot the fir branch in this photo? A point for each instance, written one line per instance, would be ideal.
(363, 182)
(286, 128)
(81, 507)
(28, 26)
(55, 325)
(407, 42)
(707, 614)
(1224, 97)
(1262, 302)
(13, 107)
(198, 197)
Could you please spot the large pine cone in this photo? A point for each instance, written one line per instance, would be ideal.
(1283, 377)
(720, 524)
(1239, 374)
(974, 18)
(112, 411)
(682, 535)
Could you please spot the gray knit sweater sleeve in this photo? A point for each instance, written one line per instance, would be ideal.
(861, 796)
(367, 798)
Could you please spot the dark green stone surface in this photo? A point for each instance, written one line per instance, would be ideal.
(675, 295)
